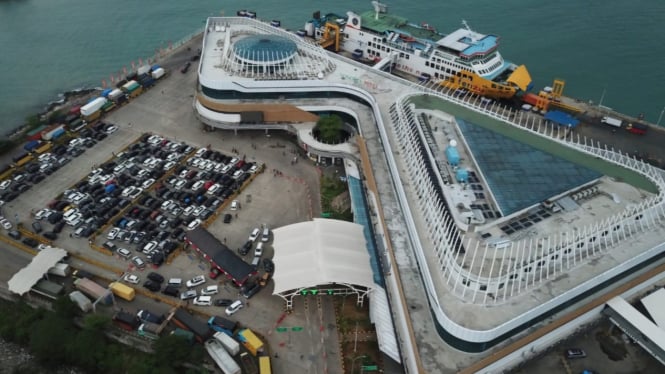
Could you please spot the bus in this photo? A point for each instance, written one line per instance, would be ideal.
(264, 365)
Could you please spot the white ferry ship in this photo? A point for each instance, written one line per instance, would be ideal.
(463, 59)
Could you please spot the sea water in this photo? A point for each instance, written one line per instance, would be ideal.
(596, 46)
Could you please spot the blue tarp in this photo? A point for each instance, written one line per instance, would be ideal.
(561, 118)
(462, 175)
(106, 92)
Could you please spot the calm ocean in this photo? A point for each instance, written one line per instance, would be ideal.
(47, 47)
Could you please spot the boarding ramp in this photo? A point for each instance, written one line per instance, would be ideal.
(636, 325)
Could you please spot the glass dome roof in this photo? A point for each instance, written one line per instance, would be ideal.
(265, 49)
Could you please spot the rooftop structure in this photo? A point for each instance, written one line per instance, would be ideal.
(486, 277)
(27, 277)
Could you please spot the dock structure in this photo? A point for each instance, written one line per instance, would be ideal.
(494, 255)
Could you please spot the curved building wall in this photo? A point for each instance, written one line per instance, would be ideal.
(453, 333)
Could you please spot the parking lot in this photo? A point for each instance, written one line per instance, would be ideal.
(269, 200)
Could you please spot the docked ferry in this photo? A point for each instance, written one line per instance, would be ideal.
(464, 59)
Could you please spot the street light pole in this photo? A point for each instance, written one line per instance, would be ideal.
(353, 362)
(661, 116)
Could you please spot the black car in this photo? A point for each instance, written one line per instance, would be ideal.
(227, 218)
(30, 242)
(152, 285)
(156, 277)
(37, 227)
(51, 235)
(57, 228)
(250, 290)
(268, 265)
(245, 248)
(223, 302)
(171, 291)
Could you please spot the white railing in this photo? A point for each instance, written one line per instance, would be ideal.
(479, 273)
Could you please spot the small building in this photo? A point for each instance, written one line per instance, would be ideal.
(220, 256)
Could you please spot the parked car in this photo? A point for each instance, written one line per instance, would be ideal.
(196, 281)
(189, 294)
(203, 301)
(156, 277)
(223, 302)
(152, 285)
(234, 308)
(131, 278)
(210, 290)
(575, 353)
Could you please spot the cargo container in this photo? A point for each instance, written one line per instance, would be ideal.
(126, 321)
(60, 269)
(22, 159)
(158, 73)
(230, 344)
(31, 145)
(136, 92)
(48, 135)
(122, 291)
(121, 99)
(81, 300)
(106, 92)
(115, 94)
(77, 125)
(36, 133)
(264, 365)
(149, 330)
(147, 82)
(253, 344)
(93, 116)
(93, 106)
(130, 86)
(94, 290)
(143, 69)
(48, 289)
(184, 320)
(222, 325)
(45, 147)
(637, 128)
(75, 110)
(184, 333)
(222, 358)
(108, 106)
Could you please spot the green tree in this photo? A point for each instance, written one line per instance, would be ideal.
(65, 308)
(330, 129)
(176, 348)
(48, 338)
(96, 322)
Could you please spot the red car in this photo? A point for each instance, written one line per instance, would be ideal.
(214, 273)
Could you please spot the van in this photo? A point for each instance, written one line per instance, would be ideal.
(233, 308)
(266, 234)
(177, 282)
(210, 290)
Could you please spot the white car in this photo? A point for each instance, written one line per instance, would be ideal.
(234, 205)
(197, 212)
(188, 211)
(180, 184)
(196, 281)
(169, 165)
(226, 169)
(198, 185)
(131, 278)
(233, 308)
(237, 174)
(42, 213)
(214, 188)
(253, 169)
(258, 251)
(148, 183)
(155, 139)
(6, 224)
(111, 129)
(255, 234)
(136, 192)
(128, 191)
(167, 204)
(201, 151)
(194, 224)
(142, 174)
(124, 252)
(203, 300)
(210, 290)
(150, 247)
(183, 173)
(113, 233)
(5, 184)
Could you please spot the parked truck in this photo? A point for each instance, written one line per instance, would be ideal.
(93, 106)
(222, 358)
(123, 291)
(126, 321)
(92, 116)
(44, 147)
(186, 321)
(94, 290)
(81, 300)
(637, 128)
(54, 133)
(611, 121)
(184, 333)
(253, 344)
(60, 269)
(149, 330)
(31, 145)
(158, 73)
(22, 159)
(222, 325)
(230, 344)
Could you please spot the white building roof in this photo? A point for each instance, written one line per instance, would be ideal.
(655, 305)
(318, 252)
(27, 277)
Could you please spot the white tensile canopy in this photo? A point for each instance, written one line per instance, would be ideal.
(320, 252)
(26, 278)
